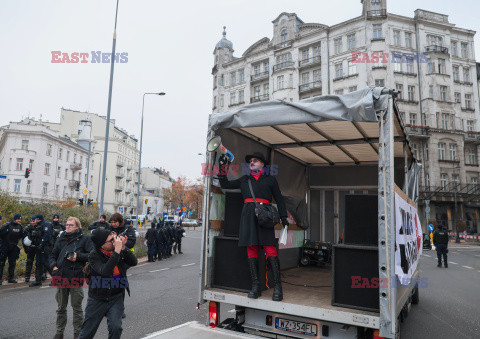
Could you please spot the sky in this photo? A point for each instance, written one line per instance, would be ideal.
(170, 48)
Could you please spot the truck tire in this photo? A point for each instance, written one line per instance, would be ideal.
(415, 296)
(305, 261)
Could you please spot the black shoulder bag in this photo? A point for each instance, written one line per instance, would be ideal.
(267, 214)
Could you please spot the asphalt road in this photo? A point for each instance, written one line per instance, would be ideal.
(164, 294)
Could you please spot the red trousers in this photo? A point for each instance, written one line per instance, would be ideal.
(270, 251)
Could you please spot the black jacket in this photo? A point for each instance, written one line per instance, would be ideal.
(180, 231)
(98, 224)
(10, 234)
(131, 237)
(440, 237)
(79, 243)
(56, 229)
(101, 283)
(151, 235)
(266, 187)
(161, 236)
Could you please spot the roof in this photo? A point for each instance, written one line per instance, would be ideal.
(224, 42)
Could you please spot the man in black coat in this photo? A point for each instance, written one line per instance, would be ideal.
(42, 244)
(117, 224)
(67, 260)
(10, 234)
(161, 242)
(251, 235)
(107, 265)
(172, 239)
(151, 237)
(57, 228)
(99, 223)
(440, 240)
(180, 234)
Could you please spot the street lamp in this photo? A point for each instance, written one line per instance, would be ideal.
(140, 157)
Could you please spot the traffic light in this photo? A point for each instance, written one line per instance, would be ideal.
(89, 202)
(146, 201)
(77, 186)
(148, 210)
(27, 172)
(80, 201)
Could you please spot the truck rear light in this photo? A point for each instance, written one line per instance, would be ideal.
(376, 335)
(212, 314)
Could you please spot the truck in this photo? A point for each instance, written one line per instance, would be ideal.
(335, 158)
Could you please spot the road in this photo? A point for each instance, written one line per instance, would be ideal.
(164, 294)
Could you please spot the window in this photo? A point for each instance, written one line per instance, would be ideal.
(25, 145)
(233, 78)
(352, 89)
(339, 92)
(456, 73)
(441, 151)
(443, 180)
(472, 156)
(413, 119)
(441, 66)
(317, 52)
(431, 66)
(379, 83)
(280, 83)
(19, 164)
(241, 75)
(468, 101)
(455, 180)
(375, 5)
(64, 191)
(221, 100)
(29, 186)
(339, 71)
(338, 45)
(233, 98)
(474, 182)
(399, 88)
(352, 41)
(397, 66)
(458, 99)
(466, 74)
(443, 93)
(453, 151)
(222, 80)
(30, 164)
(59, 169)
(66, 173)
(284, 60)
(305, 55)
(49, 150)
(241, 96)
(408, 40)
(266, 65)
(256, 69)
(47, 169)
(266, 88)
(352, 68)
(317, 77)
(305, 78)
(74, 157)
(434, 40)
(283, 35)
(68, 155)
(427, 180)
(377, 31)
(60, 153)
(214, 101)
(45, 188)
(445, 118)
(426, 151)
(256, 91)
(410, 66)
(16, 185)
(454, 49)
(415, 150)
(56, 190)
(411, 93)
(396, 37)
(81, 160)
(464, 50)
(430, 91)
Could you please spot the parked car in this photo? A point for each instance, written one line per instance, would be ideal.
(191, 222)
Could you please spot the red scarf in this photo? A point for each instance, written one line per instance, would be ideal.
(116, 271)
(256, 175)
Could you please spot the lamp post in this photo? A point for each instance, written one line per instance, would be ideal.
(457, 238)
(140, 156)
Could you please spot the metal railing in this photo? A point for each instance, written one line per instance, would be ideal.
(120, 163)
(436, 49)
(259, 76)
(119, 188)
(76, 166)
(120, 174)
(417, 130)
(310, 86)
(258, 98)
(284, 44)
(310, 61)
(73, 183)
(283, 65)
(377, 13)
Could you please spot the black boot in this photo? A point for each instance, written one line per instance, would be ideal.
(253, 268)
(1, 273)
(11, 274)
(277, 283)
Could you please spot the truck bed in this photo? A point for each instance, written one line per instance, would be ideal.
(307, 292)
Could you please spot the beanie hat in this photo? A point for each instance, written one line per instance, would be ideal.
(56, 216)
(33, 218)
(103, 216)
(39, 216)
(99, 236)
(17, 216)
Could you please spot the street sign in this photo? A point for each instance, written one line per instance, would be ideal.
(120, 209)
(427, 202)
(3, 177)
(427, 209)
(85, 191)
(430, 228)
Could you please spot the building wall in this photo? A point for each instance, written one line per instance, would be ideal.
(154, 181)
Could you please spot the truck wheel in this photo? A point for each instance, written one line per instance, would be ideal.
(415, 296)
(305, 261)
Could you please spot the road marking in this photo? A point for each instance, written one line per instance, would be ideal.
(477, 255)
(453, 263)
(45, 286)
(468, 267)
(427, 255)
(188, 264)
(163, 269)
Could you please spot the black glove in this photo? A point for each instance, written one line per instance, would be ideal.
(224, 163)
(284, 221)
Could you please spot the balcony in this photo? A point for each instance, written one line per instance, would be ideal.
(311, 86)
(128, 190)
(76, 166)
(408, 74)
(129, 178)
(264, 97)
(436, 49)
(73, 183)
(377, 14)
(283, 65)
(129, 167)
(310, 61)
(237, 103)
(284, 44)
(417, 131)
(119, 202)
(468, 109)
(343, 77)
(120, 163)
(119, 188)
(466, 83)
(259, 76)
(120, 174)
(472, 137)
(408, 101)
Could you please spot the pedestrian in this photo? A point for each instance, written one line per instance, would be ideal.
(251, 235)
(440, 240)
(117, 224)
(68, 257)
(99, 223)
(10, 234)
(180, 234)
(107, 272)
(151, 237)
(57, 228)
(42, 236)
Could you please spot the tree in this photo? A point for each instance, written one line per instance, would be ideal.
(186, 194)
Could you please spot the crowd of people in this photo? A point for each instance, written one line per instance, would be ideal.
(75, 260)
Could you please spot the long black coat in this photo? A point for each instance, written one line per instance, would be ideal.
(264, 188)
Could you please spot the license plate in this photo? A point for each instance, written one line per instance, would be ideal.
(296, 327)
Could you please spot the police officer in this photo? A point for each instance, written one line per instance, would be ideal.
(42, 240)
(180, 234)
(172, 237)
(99, 223)
(10, 234)
(161, 241)
(29, 246)
(440, 240)
(57, 228)
(151, 237)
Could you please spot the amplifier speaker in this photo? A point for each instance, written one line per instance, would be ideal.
(230, 266)
(355, 277)
(233, 211)
(361, 219)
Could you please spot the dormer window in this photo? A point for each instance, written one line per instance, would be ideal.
(375, 5)
(283, 35)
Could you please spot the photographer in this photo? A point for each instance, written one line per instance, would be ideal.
(67, 260)
(107, 271)
(117, 225)
(10, 234)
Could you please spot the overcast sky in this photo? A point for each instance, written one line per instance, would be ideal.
(169, 46)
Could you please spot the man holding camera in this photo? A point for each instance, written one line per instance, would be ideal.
(117, 225)
(10, 234)
(67, 260)
(107, 273)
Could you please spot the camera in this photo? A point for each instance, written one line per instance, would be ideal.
(69, 255)
(124, 233)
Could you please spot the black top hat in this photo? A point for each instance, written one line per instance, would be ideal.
(257, 155)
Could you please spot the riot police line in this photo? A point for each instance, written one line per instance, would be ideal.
(162, 239)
